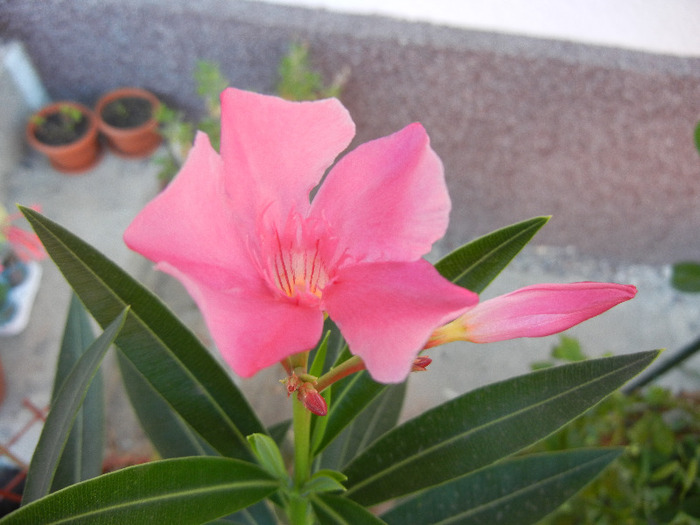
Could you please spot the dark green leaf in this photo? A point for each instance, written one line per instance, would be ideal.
(477, 263)
(166, 430)
(380, 416)
(319, 359)
(183, 491)
(161, 348)
(521, 490)
(686, 277)
(484, 426)
(696, 136)
(63, 412)
(350, 396)
(337, 510)
(324, 481)
(83, 454)
(258, 514)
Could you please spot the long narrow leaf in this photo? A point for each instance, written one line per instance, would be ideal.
(161, 348)
(183, 491)
(337, 510)
(350, 396)
(83, 454)
(521, 490)
(476, 264)
(166, 430)
(381, 415)
(258, 514)
(63, 412)
(483, 426)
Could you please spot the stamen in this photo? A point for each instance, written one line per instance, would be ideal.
(296, 263)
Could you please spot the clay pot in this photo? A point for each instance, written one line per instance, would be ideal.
(131, 131)
(77, 156)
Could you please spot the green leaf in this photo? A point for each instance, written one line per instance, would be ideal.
(183, 491)
(166, 430)
(477, 263)
(380, 416)
(338, 510)
(686, 277)
(696, 137)
(161, 348)
(63, 412)
(350, 396)
(258, 514)
(484, 426)
(521, 490)
(320, 356)
(324, 480)
(83, 453)
(268, 455)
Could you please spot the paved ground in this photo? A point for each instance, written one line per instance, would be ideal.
(98, 205)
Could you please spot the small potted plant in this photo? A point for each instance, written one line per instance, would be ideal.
(126, 117)
(66, 132)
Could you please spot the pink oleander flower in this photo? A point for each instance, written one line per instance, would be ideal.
(533, 311)
(265, 264)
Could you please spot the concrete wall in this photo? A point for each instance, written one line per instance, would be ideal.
(599, 137)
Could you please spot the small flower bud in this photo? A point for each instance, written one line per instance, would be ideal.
(420, 363)
(313, 401)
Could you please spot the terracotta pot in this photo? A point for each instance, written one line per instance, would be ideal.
(138, 141)
(75, 157)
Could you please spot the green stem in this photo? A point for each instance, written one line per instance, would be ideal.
(350, 366)
(298, 511)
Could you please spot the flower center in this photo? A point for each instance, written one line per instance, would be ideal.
(299, 258)
(299, 271)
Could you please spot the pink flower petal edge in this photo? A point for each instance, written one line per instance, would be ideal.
(534, 311)
(387, 312)
(403, 179)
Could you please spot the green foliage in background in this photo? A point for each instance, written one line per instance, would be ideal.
(686, 277)
(656, 479)
(297, 81)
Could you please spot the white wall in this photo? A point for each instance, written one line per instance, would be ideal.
(657, 26)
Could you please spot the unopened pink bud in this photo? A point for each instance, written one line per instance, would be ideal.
(312, 400)
(540, 310)
(420, 363)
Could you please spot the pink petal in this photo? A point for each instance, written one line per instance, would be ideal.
(387, 311)
(276, 151)
(191, 225)
(251, 328)
(387, 200)
(540, 310)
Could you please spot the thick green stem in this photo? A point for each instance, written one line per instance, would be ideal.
(350, 366)
(298, 511)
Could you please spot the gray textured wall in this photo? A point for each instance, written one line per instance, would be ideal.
(600, 138)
